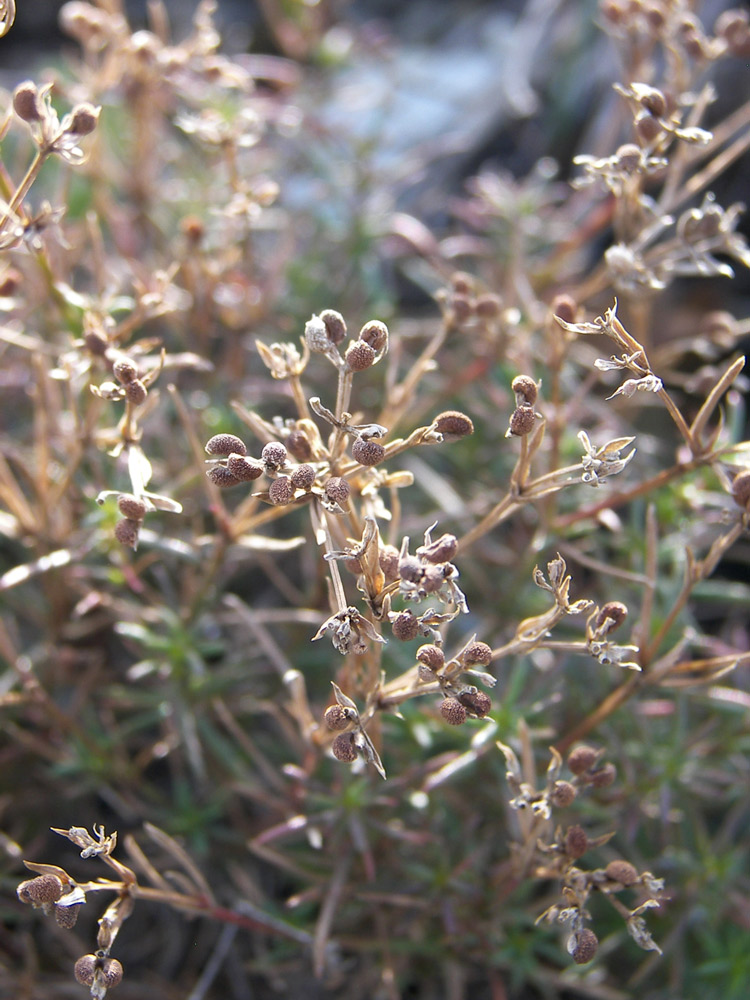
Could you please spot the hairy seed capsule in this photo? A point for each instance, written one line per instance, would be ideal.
(343, 748)
(522, 421)
(622, 872)
(576, 842)
(604, 777)
(225, 444)
(244, 469)
(440, 551)
(426, 674)
(741, 489)
(84, 969)
(478, 652)
(131, 507)
(67, 916)
(453, 711)
(453, 424)
(615, 611)
(525, 387)
(298, 445)
(405, 626)
(337, 490)
(585, 947)
(563, 794)
(375, 335)
(336, 717)
(388, 561)
(647, 127)
(477, 702)
(334, 324)
(40, 890)
(125, 371)
(26, 102)
(281, 491)
(222, 477)
(367, 452)
(629, 157)
(316, 336)
(303, 477)
(136, 392)
(359, 356)
(83, 119)
(112, 973)
(582, 758)
(488, 306)
(274, 454)
(432, 656)
(126, 533)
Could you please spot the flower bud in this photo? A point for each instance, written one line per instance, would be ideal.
(225, 444)
(453, 711)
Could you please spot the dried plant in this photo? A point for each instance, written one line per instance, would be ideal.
(402, 563)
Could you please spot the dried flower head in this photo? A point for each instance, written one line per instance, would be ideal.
(453, 711)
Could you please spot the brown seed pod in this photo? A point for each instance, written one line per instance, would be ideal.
(273, 454)
(585, 947)
(303, 477)
(298, 445)
(375, 335)
(127, 531)
(477, 702)
(112, 971)
(526, 388)
(582, 758)
(40, 890)
(647, 127)
(563, 794)
(478, 652)
(432, 656)
(565, 307)
(336, 717)
(462, 307)
(522, 421)
(222, 477)
(84, 969)
(488, 306)
(359, 356)
(337, 490)
(604, 777)
(462, 283)
(367, 452)
(405, 626)
(84, 118)
(453, 424)
(281, 491)
(576, 842)
(125, 371)
(388, 561)
(316, 336)
(343, 748)
(244, 469)
(622, 872)
(335, 326)
(192, 228)
(741, 489)
(453, 711)
(441, 551)
(136, 392)
(629, 157)
(132, 507)
(226, 444)
(26, 102)
(616, 611)
(67, 916)
(10, 283)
